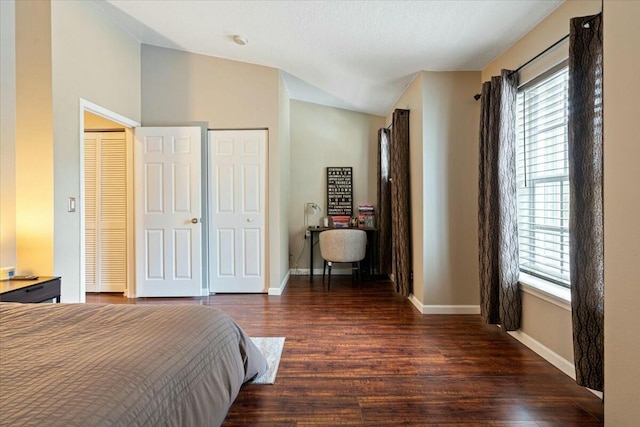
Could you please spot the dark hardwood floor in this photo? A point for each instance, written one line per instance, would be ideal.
(366, 357)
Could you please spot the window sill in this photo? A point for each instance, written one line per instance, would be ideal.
(550, 292)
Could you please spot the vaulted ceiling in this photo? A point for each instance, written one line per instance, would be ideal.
(358, 55)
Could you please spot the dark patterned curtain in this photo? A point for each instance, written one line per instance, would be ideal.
(585, 183)
(384, 203)
(401, 202)
(500, 301)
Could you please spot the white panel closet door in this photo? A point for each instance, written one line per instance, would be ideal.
(167, 216)
(237, 197)
(105, 211)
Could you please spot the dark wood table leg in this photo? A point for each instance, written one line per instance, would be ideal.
(311, 256)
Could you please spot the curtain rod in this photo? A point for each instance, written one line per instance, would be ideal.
(539, 55)
(478, 95)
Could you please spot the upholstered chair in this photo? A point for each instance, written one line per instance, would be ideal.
(343, 246)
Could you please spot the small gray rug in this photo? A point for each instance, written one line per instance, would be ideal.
(271, 348)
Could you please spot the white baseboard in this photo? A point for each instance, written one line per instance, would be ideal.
(444, 309)
(318, 271)
(280, 290)
(451, 309)
(546, 353)
(549, 355)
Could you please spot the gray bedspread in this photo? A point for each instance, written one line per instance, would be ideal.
(124, 365)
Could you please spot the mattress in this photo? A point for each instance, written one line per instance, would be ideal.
(121, 365)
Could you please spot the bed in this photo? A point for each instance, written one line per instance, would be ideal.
(123, 365)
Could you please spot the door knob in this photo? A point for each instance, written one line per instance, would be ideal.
(194, 220)
(249, 219)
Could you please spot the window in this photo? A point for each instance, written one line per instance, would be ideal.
(542, 167)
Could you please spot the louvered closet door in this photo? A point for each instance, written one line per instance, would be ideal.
(106, 211)
(90, 202)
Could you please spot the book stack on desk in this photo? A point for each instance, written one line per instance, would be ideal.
(341, 221)
(366, 216)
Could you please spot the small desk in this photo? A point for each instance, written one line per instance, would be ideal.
(41, 289)
(372, 245)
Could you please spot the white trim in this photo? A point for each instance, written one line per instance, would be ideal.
(545, 352)
(128, 123)
(443, 309)
(336, 271)
(550, 356)
(107, 114)
(416, 303)
(280, 290)
(452, 309)
(318, 271)
(550, 292)
(131, 247)
(82, 288)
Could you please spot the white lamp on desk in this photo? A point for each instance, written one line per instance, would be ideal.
(310, 208)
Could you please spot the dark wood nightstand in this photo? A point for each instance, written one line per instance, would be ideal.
(39, 290)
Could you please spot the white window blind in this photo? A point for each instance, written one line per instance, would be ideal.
(543, 176)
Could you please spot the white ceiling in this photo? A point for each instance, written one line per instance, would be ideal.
(358, 55)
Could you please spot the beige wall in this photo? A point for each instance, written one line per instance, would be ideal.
(7, 134)
(450, 188)
(180, 88)
(34, 139)
(324, 136)
(94, 122)
(55, 45)
(284, 107)
(621, 207)
(443, 132)
(549, 31)
(554, 330)
(93, 59)
(547, 323)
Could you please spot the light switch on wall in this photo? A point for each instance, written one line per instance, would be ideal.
(71, 204)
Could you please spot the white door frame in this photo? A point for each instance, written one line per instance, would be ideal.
(128, 125)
